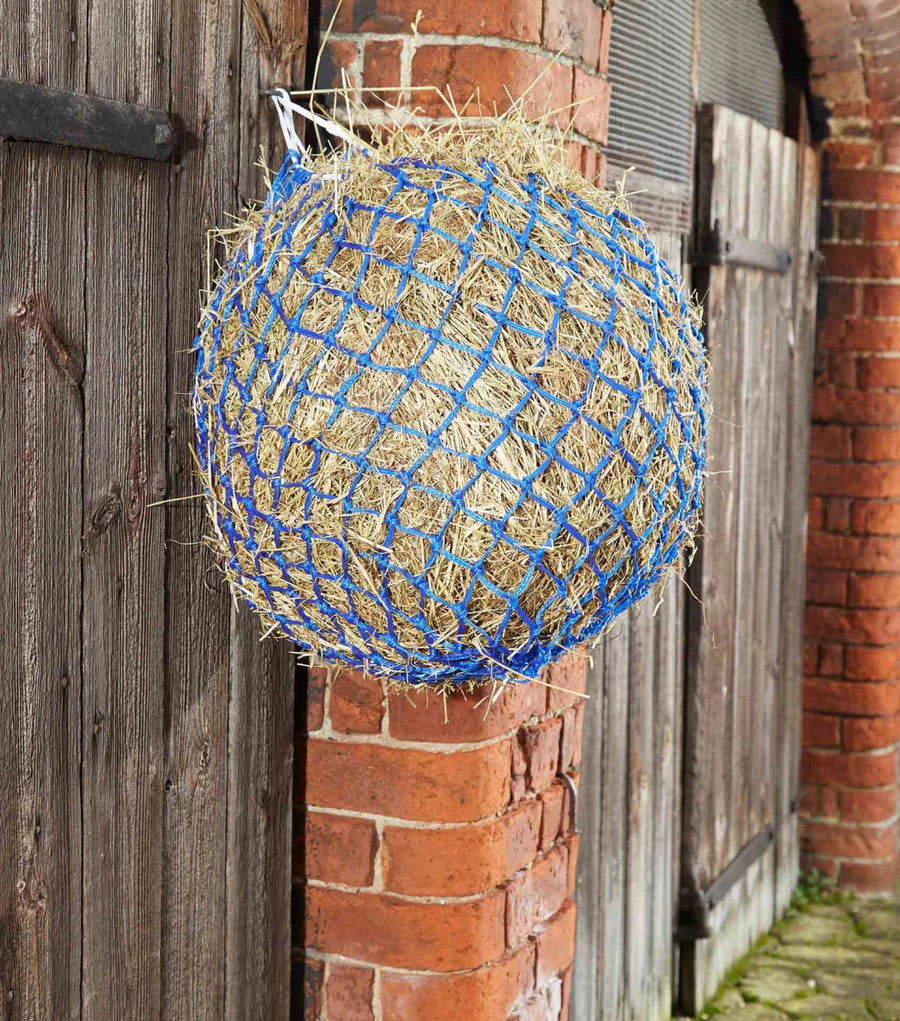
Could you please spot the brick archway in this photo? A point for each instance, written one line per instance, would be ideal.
(852, 653)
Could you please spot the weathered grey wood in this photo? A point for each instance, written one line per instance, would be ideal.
(586, 977)
(742, 730)
(639, 981)
(614, 821)
(41, 416)
(752, 691)
(802, 354)
(736, 923)
(258, 877)
(143, 872)
(41, 361)
(261, 706)
(665, 794)
(710, 653)
(205, 44)
(780, 743)
(124, 540)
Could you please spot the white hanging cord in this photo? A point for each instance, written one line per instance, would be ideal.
(283, 105)
(286, 109)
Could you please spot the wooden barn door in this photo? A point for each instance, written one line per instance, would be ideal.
(756, 237)
(145, 734)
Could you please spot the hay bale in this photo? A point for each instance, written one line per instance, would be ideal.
(450, 405)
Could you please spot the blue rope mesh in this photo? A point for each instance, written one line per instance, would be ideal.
(252, 292)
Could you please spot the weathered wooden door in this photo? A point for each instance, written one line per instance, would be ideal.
(145, 734)
(756, 236)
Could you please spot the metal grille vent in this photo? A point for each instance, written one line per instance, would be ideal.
(740, 66)
(651, 110)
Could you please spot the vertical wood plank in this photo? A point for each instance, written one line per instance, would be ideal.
(41, 416)
(711, 621)
(41, 363)
(586, 977)
(639, 979)
(752, 690)
(749, 320)
(614, 821)
(782, 225)
(261, 701)
(120, 717)
(124, 557)
(640, 731)
(205, 78)
(664, 791)
(258, 876)
(795, 517)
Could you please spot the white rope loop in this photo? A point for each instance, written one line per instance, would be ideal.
(286, 108)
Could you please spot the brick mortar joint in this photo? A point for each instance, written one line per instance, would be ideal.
(384, 739)
(851, 826)
(387, 969)
(462, 39)
(421, 824)
(873, 753)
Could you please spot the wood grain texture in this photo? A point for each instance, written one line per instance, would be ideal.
(800, 380)
(258, 877)
(40, 521)
(41, 358)
(261, 701)
(123, 650)
(640, 981)
(145, 735)
(586, 977)
(204, 91)
(742, 716)
(614, 821)
(711, 642)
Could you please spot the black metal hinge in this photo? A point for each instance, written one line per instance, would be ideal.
(721, 248)
(696, 905)
(35, 113)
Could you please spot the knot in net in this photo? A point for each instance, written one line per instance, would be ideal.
(451, 420)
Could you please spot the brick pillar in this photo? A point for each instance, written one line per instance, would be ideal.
(437, 861)
(437, 858)
(517, 41)
(852, 661)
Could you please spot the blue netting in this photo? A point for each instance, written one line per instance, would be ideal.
(234, 419)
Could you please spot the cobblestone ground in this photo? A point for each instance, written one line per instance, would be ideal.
(830, 962)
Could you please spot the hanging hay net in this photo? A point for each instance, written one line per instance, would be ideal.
(450, 406)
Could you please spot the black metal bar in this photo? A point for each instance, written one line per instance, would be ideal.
(573, 796)
(748, 855)
(722, 248)
(35, 113)
(696, 905)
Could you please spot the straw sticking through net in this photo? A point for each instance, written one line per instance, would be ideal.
(450, 405)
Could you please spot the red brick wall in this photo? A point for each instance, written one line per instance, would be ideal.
(434, 860)
(469, 45)
(852, 662)
(437, 856)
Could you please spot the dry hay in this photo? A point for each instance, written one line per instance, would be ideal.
(418, 458)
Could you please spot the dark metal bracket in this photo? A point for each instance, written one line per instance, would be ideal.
(696, 905)
(721, 248)
(35, 113)
(573, 797)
